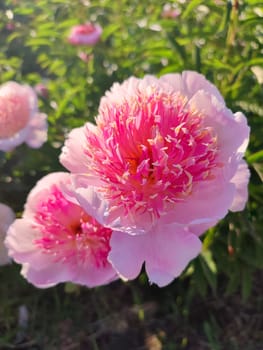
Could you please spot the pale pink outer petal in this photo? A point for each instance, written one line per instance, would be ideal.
(42, 188)
(8, 144)
(207, 204)
(91, 277)
(37, 134)
(166, 251)
(73, 152)
(231, 132)
(51, 274)
(189, 83)
(173, 248)
(127, 254)
(19, 241)
(199, 229)
(7, 216)
(240, 180)
(92, 203)
(119, 92)
(242, 120)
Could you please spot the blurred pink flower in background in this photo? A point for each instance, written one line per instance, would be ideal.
(84, 56)
(7, 216)
(170, 12)
(166, 159)
(85, 34)
(20, 120)
(10, 26)
(42, 90)
(56, 241)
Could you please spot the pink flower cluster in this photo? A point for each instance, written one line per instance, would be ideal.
(20, 120)
(163, 163)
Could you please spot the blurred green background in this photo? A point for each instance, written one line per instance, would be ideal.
(217, 303)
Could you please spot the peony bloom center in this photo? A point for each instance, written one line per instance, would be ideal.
(68, 234)
(150, 150)
(14, 114)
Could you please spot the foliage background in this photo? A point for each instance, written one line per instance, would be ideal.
(209, 306)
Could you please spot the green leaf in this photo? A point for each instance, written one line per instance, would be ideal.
(199, 278)
(259, 169)
(192, 4)
(209, 269)
(109, 30)
(209, 238)
(255, 157)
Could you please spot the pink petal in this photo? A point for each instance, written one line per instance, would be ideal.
(189, 83)
(19, 242)
(166, 251)
(209, 203)
(171, 249)
(127, 254)
(91, 277)
(8, 144)
(52, 274)
(92, 203)
(199, 229)
(240, 180)
(95, 205)
(73, 153)
(38, 131)
(231, 133)
(42, 188)
(242, 120)
(48, 276)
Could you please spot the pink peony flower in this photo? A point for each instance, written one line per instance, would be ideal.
(20, 120)
(85, 34)
(7, 216)
(56, 241)
(166, 159)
